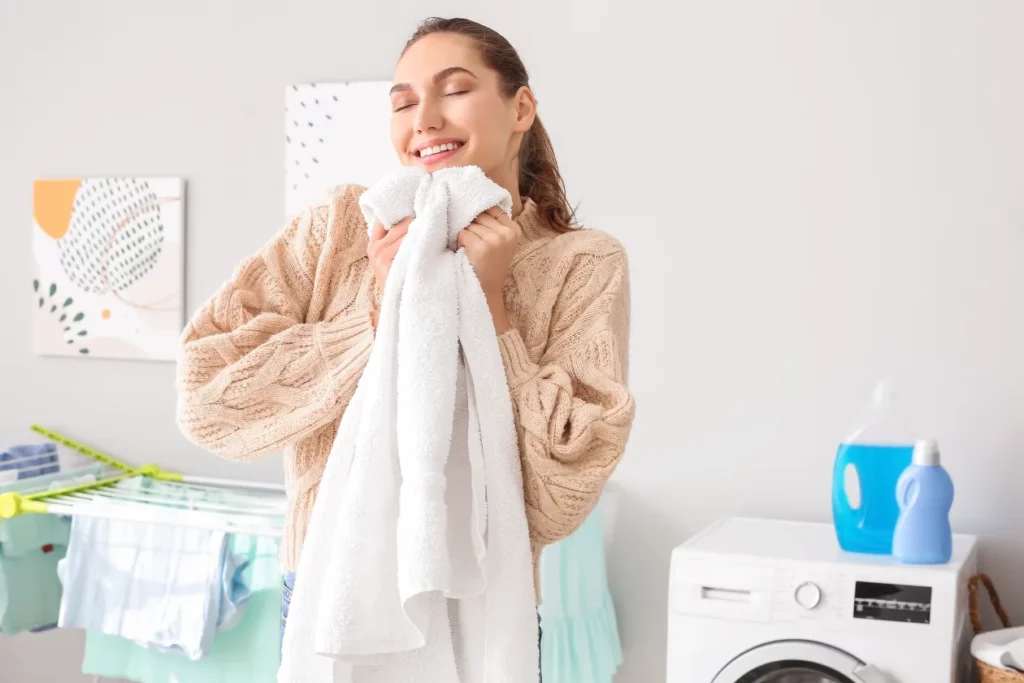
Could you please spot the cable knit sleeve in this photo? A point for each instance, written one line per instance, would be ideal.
(573, 409)
(258, 368)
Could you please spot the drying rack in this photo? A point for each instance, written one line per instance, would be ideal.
(150, 494)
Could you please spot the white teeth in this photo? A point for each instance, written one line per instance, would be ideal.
(437, 149)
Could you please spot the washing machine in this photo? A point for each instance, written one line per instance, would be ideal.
(771, 601)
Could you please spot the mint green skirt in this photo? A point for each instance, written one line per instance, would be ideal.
(580, 640)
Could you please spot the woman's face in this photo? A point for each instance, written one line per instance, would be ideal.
(448, 109)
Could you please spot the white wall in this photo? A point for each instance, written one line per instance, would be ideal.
(814, 195)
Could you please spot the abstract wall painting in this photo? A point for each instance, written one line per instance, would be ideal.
(109, 277)
(335, 134)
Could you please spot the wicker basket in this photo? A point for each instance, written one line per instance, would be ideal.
(986, 672)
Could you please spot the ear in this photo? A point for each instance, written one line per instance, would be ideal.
(525, 106)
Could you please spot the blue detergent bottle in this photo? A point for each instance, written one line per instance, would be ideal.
(924, 493)
(868, 464)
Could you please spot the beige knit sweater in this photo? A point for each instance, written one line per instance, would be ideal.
(271, 361)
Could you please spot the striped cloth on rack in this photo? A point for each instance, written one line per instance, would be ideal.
(28, 460)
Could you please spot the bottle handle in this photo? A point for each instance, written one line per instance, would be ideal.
(906, 492)
(844, 499)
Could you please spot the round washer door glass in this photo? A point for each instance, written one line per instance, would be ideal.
(797, 661)
(793, 672)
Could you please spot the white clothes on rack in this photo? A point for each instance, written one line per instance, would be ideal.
(167, 587)
(148, 558)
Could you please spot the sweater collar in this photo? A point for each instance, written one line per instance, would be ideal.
(534, 229)
(532, 223)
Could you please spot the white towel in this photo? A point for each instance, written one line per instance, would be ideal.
(416, 566)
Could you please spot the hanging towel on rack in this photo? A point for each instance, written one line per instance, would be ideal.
(166, 587)
(407, 574)
(30, 594)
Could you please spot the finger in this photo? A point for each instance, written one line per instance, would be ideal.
(393, 235)
(483, 232)
(396, 233)
(497, 225)
(378, 232)
(388, 253)
(488, 220)
(470, 241)
(504, 219)
(493, 232)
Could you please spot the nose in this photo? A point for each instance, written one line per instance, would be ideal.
(428, 116)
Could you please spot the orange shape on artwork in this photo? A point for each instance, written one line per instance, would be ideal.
(105, 313)
(53, 201)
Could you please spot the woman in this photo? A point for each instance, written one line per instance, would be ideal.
(273, 359)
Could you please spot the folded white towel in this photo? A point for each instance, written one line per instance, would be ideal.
(416, 565)
(1002, 648)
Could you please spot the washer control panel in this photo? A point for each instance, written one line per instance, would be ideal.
(800, 594)
(822, 594)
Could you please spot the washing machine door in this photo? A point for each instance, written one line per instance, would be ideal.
(798, 661)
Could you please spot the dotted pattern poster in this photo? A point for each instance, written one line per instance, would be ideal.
(109, 278)
(335, 134)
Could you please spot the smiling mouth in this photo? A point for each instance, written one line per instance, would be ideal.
(428, 152)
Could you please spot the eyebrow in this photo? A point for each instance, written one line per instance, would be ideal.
(436, 78)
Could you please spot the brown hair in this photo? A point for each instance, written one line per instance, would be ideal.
(539, 178)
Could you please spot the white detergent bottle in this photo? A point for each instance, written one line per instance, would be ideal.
(925, 495)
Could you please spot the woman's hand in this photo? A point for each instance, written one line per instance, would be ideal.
(490, 242)
(381, 250)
